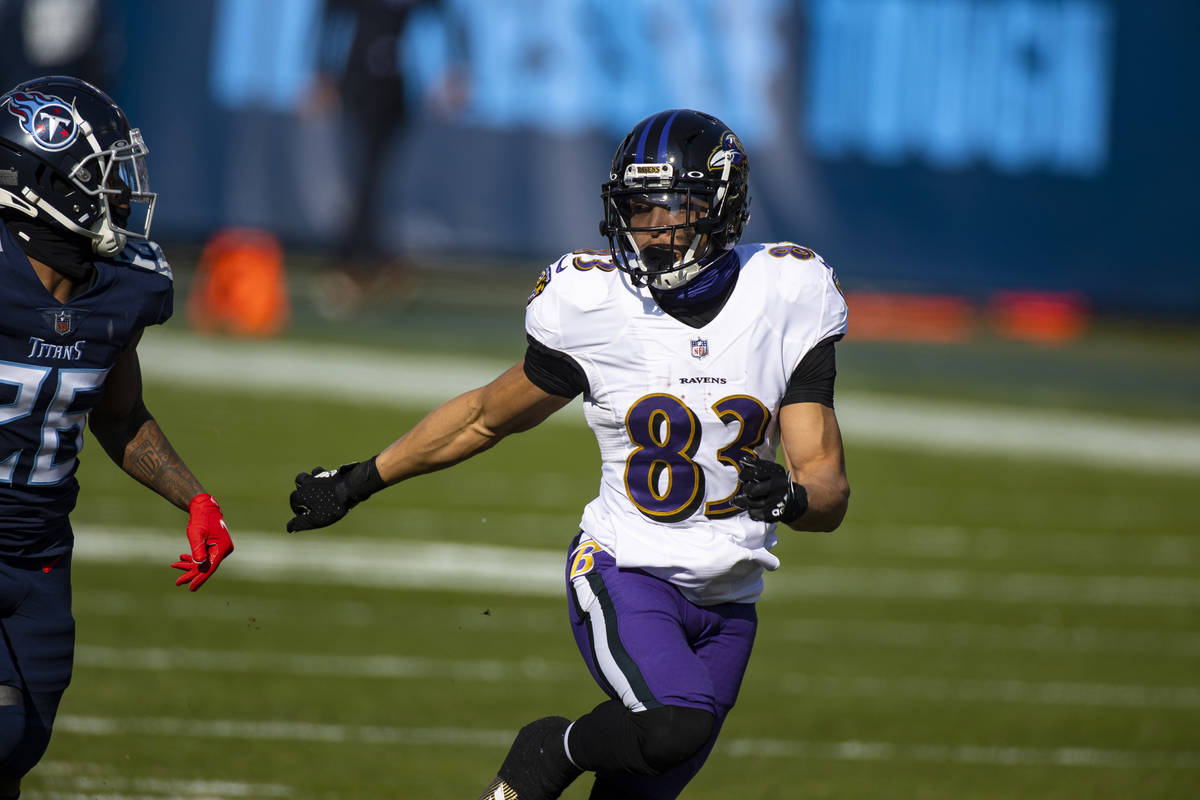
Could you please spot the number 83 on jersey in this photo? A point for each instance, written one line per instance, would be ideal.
(662, 478)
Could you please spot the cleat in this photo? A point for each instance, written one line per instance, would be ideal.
(499, 790)
(536, 767)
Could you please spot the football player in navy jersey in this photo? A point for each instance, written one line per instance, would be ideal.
(79, 282)
(698, 358)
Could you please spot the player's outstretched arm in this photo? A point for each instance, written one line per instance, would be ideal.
(125, 429)
(453, 432)
(812, 492)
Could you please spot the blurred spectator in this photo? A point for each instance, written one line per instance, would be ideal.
(362, 75)
(59, 37)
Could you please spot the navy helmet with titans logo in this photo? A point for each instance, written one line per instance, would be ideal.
(694, 168)
(69, 159)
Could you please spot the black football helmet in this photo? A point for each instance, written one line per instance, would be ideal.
(693, 166)
(69, 159)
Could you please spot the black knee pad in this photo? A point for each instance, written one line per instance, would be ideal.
(670, 735)
(614, 739)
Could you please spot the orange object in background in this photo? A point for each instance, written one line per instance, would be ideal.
(240, 286)
(1041, 317)
(910, 317)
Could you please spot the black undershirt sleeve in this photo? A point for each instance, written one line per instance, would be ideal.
(812, 379)
(552, 371)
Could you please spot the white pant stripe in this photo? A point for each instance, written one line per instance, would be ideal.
(605, 661)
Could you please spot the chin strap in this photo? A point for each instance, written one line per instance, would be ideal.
(708, 284)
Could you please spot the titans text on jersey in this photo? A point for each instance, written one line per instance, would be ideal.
(54, 358)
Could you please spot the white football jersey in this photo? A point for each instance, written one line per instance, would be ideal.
(674, 407)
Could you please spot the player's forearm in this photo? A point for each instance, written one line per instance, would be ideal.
(467, 425)
(139, 447)
(451, 433)
(828, 500)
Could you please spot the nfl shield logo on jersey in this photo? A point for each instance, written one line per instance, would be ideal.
(63, 321)
(699, 348)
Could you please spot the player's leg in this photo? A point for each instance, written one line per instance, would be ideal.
(549, 753)
(40, 710)
(12, 694)
(628, 625)
(613, 738)
(12, 716)
(536, 767)
(12, 720)
(722, 637)
(632, 630)
(40, 642)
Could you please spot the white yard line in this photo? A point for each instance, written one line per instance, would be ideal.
(924, 635)
(336, 372)
(985, 587)
(393, 667)
(488, 569)
(734, 748)
(356, 375)
(962, 690)
(274, 557)
(313, 665)
(962, 754)
(75, 793)
(1151, 549)
(1146, 639)
(1087, 438)
(280, 730)
(101, 782)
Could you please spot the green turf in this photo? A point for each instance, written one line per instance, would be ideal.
(980, 627)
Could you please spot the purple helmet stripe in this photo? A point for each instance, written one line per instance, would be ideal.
(664, 138)
(640, 156)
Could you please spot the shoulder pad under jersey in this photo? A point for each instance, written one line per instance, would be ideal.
(144, 254)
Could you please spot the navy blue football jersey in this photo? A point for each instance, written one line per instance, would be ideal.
(54, 359)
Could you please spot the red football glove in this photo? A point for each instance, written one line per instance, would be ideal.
(209, 537)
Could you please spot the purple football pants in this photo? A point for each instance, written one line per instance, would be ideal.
(647, 646)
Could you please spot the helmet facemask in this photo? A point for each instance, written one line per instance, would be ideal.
(664, 235)
(661, 230)
(118, 179)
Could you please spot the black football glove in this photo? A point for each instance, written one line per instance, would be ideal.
(322, 496)
(768, 493)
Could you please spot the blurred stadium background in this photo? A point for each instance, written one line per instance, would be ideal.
(1005, 188)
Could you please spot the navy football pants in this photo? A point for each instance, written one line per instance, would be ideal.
(37, 646)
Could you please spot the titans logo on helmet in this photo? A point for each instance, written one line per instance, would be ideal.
(47, 119)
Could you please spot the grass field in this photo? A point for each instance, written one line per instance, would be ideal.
(982, 626)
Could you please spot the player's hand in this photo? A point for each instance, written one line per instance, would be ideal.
(323, 496)
(209, 537)
(767, 492)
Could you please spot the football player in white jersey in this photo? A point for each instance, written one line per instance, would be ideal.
(696, 357)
